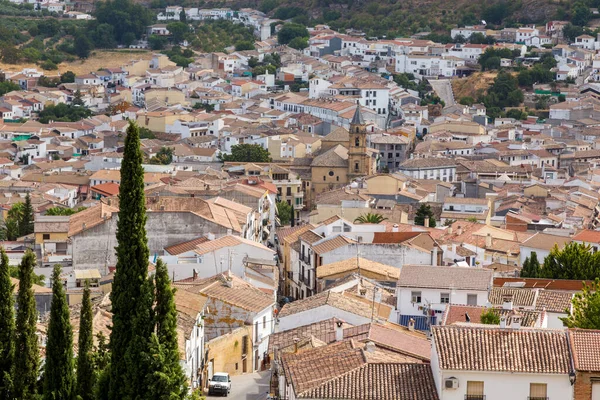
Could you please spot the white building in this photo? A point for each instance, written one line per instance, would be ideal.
(443, 169)
(428, 65)
(499, 363)
(423, 291)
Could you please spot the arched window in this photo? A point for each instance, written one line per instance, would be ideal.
(356, 166)
(357, 142)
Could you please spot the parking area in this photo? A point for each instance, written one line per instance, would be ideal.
(253, 386)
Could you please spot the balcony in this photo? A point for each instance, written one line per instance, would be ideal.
(299, 195)
(474, 397)
(306, 281)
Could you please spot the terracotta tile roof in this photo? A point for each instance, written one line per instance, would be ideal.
(310, 237)
(553, 301)
(585, 345)
(351, 265)
(291, 234)
(323, 330)
(90, 217)
(341, 301)
(335, 157)
(502, 350)
(241, 293)
(402, 342)
(456, 313)
(423, 276)
(108, 188)
(227, 241)
(393, 237)
(546, 242)
(333, 361)
(549, 284)
(587, 236)
(184, 247)
(520, 297)
(376, 381)
(332, 244)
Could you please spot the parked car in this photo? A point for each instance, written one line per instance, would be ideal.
(220, 383)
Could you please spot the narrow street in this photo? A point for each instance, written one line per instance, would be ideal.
(253, 386)
(443, 88)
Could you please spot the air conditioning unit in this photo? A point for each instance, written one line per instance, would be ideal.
(451, 383)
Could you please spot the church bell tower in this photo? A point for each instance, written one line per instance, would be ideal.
(359, 161)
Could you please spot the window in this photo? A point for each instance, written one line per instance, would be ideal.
(357, 142)
(330, 173)
(337, 178)
(445, 298)
(538, 391)
(356, 166)
(46, 236)
(474, 390)
(265, 322)
(289, 191)
(324, 177)
(245, 344)
(471, 299)
(415, 297)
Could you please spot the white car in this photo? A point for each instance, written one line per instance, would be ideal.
(220, 383)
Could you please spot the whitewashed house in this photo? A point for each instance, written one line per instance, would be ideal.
(423, 291)
(499, 363)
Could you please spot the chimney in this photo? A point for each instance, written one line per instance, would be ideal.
(395, 228)
(502, 321)
(459, 230)
(450, 230)
(488, 241)
(507, 302)
(434, 256)
(515, 321)
(210, 236)
(411, 324)
(339, 331)
(195, 274)
(370, 347)
(454, 248)
(296, 340)
(426, 222)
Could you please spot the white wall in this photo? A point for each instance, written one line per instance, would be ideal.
(406, 307)
(316, 315)
(263, 333)
(526, 252)
(505, 386)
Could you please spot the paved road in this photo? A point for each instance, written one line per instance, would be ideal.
(249, 386)
(443, 88)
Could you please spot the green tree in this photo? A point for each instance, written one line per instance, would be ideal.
(490, 317)
(7, 328)
(10, 229)
(290, 31)
(63, 211)
(586, 308)
(178, 31)
(298, 43)
(85, 366)
(580, 14)
(77, 100)
(423, 212)
(59, 376)
(7, 86)
(244, 45)
(247, 153)
(370, 218)
(26, 221)
(167, 379)
(67, 77)
(27, 364)
(83, 46)
(284, 212)
(574, 261)
(131, 271)
(164, 156)
(157, 42)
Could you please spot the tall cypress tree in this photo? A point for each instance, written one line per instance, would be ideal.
(26, 223)
(59, 377)
(85, 368)
(132, 264)
(7, 327)
(27, 363)
(168, 379)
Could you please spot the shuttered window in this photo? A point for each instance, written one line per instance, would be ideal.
(538, 391)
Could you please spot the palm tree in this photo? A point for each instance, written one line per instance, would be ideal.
(370, 218)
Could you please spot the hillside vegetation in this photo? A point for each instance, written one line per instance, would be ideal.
(401, 18)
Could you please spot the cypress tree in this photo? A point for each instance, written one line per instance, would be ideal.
(85, 368)
(168, 379)
(26, 223)
(27, 363)
(136, 357)
(59, 377)
(132, 265)
(7, 327)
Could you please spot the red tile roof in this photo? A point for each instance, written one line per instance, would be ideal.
(548, 284)
(394, 237)
(108, 189)
(585, 345)
(588, 236)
